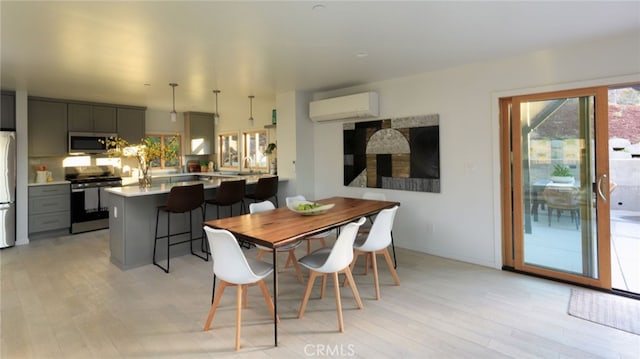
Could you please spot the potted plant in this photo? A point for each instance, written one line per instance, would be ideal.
(561, 174)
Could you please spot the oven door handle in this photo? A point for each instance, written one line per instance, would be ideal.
(77, 190)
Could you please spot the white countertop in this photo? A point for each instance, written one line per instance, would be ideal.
(135, 191)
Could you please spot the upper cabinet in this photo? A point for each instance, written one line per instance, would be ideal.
(131, 125)
(8, 116)
(92, 118)
(198, 132)
(47, 128)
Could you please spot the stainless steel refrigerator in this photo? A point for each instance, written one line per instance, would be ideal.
(7, 189)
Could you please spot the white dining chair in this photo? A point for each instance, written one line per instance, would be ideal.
(232, 268)
(332, 261)
(289, 248)
(378, 196)
(316, 237)
(376, 242)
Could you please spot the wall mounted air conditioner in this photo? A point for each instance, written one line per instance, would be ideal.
(361, 105)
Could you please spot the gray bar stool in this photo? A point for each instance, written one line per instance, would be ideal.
(182, 199)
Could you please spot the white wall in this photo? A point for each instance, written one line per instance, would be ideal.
(463, 221)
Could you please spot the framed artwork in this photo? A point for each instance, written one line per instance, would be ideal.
(400, 153)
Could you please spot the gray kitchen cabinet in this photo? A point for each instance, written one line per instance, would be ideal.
(8, 115)
(198, 132)
(49, 207)
(131, 124)
(47, 128)
(92, 118)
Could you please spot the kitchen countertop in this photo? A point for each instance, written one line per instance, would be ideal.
(30, 184)
(135, 191)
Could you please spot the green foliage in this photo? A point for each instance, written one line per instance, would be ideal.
(149, 150)
(560, 170)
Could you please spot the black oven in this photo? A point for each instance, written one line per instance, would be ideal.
(89, 207)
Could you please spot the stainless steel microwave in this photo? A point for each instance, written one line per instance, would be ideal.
(88, 142)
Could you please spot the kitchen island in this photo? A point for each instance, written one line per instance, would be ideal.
(132, 220)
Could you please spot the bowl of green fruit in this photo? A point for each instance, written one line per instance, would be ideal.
(307, 208)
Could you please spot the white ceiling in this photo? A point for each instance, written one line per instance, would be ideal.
(108, 51)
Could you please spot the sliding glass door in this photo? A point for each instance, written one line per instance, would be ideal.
(555, 151)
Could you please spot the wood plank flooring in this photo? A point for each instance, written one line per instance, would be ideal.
(61, 298)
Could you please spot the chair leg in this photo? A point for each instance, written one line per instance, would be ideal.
(324, 286)
(267, 298)
(354, 289)
(241, 288)
(338, 301)
(213, 288)
(376, 281)
(245, 302)
(293, 259)
(215, 304)
(168, 241)
(312, 278)
(261, 252)
(394, 274)
(356, 254)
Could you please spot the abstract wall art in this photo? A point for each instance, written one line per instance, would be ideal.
(399, 153)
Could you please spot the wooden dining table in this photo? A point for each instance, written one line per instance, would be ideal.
(279, 227)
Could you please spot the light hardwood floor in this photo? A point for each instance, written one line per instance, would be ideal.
(61, 298)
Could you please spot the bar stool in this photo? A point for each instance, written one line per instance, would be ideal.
(182, 199)
(266, 188)
(228, 194)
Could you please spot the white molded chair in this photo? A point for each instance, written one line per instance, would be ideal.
(233, 269)
(367, 226)
(320, 236)
(289, 248)
(333, 261)
(376, 242)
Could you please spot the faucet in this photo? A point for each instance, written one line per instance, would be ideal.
(249, 162)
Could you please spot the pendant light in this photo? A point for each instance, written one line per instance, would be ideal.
(174, 114)
(216, 116)
(251, 110)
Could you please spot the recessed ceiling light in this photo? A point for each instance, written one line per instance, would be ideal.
(318, 7)
(362, 54)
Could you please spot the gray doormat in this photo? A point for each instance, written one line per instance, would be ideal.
(606, 309)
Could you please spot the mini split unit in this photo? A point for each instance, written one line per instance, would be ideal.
(361, 105)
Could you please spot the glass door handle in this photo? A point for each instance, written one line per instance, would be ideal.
(600, 192)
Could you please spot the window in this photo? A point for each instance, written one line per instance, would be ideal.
(167, 140)
(255, 143)
(228, 150)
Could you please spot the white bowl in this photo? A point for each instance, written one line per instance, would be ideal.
(309, 212)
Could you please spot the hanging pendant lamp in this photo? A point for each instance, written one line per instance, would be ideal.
(216, 116)
(251, 110)
(174, 114)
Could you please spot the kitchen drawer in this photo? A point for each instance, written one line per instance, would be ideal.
(49, 204)
(48, 222)
(49, 190)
